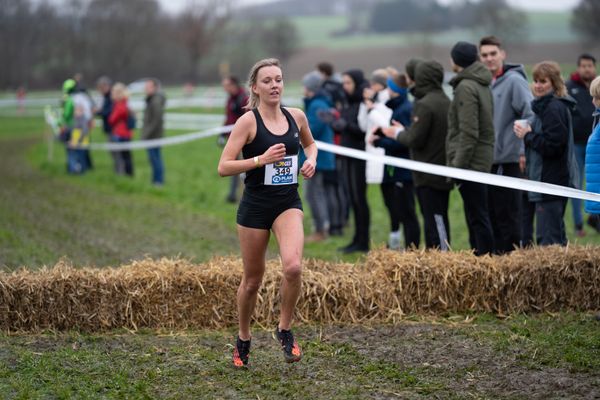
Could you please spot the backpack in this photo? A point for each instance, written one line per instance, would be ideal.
(131, 120)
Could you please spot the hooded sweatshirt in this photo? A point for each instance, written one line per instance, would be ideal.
(352, 136)
(512, 101)
(470, 141)
(426, 136)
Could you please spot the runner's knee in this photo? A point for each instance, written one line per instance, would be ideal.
(292, 269)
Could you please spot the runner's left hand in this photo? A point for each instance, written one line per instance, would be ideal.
(308, 168)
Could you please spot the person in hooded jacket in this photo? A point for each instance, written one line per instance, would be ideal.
(512, 101)
(578, 88)
(319, 190)
(354, 170)
(470, 140)
(397, 185)
(154, 127)
(426, 139)
(549, 150)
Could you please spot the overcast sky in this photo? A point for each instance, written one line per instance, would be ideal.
(550, 5)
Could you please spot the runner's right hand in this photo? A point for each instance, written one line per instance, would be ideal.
(273, 153)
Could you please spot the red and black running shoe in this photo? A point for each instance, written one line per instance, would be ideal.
(241, 353)
(291, 349)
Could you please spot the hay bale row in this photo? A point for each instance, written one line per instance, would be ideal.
(176, 294)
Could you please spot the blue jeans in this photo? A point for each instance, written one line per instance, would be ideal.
(157, 165)
(576, 203)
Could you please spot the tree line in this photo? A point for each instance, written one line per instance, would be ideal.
(128, 40)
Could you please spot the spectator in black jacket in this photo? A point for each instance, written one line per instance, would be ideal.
(549, 150)
(104, 86)
(354, 170)
(578, 88)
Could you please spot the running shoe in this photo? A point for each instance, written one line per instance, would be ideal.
(291, 349)
(241, 353)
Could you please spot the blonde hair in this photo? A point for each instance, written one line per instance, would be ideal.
(595, 88)
(254, 101)
(551, 71)
(119, 91)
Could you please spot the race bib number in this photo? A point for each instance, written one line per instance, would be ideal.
(284, 172)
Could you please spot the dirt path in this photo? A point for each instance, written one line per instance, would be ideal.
(408, 361)
(44, 218)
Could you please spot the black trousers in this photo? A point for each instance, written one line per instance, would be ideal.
(356, 182)
(475, 204)
(399, 199)
(505, 206)
(434, 207)
(550, 223)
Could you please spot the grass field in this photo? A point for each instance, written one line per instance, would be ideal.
(99, 219)
(544, 27)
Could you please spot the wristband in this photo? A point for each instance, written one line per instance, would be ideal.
(256, 161)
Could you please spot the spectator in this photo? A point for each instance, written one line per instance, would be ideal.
(426, 138)
(373, 113)
(333, 87)
(121, 133)
(470, 140)
(354, 170)
(85, 122)
(154, 127)
(512, 101)
(592, 160)
(578, 88)
(549, 150)
(234, 109)
(397, 184)
(104, 86)
(320, 193)
(66, 126)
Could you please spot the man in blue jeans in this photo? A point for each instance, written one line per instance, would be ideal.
(579, 88)
(154, 127)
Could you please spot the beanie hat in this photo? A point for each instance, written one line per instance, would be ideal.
(69, 86)
(464, 54)
(312, 81)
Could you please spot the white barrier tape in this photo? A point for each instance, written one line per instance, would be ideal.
(462, 174)
(441, 170)
(167, 141)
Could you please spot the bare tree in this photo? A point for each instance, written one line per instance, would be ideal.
(198, 27)
(585, 20)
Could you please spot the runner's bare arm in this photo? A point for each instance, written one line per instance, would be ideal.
(308, 143)
(243, 132)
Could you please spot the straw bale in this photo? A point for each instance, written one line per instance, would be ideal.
(387, 285)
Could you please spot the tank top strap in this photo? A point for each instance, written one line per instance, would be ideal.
(291, 120)
(260, 125)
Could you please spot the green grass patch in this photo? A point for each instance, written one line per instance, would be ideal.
(546, 340)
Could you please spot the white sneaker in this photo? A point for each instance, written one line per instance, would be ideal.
(394, 240)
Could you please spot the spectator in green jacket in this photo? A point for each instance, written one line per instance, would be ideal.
(426, 139)
(470, 140)
(154, 127)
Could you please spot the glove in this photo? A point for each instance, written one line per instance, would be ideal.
(339, 124)
(328, 116)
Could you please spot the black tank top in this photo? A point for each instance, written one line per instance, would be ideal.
(265, 139)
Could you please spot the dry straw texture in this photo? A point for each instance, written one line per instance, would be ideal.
(176, 294)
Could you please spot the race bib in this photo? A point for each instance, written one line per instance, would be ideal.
(284, 172)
